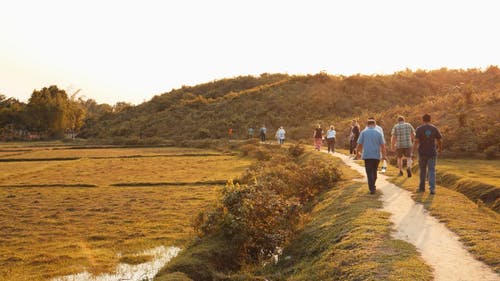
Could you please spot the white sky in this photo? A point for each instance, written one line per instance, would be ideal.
(132, 50)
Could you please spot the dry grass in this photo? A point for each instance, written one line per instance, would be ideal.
(484, 171)
(63, 152)
(16, 169)
(52, 231)
(104, 172)
(349, 238)
(477, 226)
(345, 236)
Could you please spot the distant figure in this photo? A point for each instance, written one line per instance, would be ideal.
(372, 145)
(427, 137)
(402, 137)
(250, 133)
(318, 137)
(354, 138)
(330, 138)
(230, 133)
(280, 135)
(263, 132)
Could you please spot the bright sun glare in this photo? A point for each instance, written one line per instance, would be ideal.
(131, 50)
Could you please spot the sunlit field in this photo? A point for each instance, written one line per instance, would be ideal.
(485, 171)
(476, 224)
(67, 152)
(54, 222)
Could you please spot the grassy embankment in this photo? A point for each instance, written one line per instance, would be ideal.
(477, 179)
(55, 228)
(462, 186)
(342, 235)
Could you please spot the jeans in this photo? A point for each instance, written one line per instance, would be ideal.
(371, 167)
(262, 137)
(427, 165)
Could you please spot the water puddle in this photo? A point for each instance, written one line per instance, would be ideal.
(128, 272)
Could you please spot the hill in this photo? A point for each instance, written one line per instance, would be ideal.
(463, 103)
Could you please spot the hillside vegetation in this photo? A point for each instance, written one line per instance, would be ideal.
(295, 215)
(462, 102)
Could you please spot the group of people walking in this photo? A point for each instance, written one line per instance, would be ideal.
(330, 138)
(405, 142)
(280, 134)
(369, 145)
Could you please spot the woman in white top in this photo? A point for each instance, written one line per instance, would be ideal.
(330, 138)
(280, 135)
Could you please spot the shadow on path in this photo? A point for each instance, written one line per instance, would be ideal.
(439, 247)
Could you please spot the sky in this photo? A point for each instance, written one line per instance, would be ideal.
(132, 50)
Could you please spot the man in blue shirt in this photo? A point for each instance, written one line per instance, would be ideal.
(427, 137)
(371, 146)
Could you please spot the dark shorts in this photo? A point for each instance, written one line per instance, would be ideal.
(406, 152)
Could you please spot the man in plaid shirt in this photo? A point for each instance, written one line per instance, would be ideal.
(402, 137)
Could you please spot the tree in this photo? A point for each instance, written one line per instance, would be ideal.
(12, 118)
(121, 106)
(48, 111)
(76, 114)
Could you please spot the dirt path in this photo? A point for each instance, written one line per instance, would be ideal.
(440, 247)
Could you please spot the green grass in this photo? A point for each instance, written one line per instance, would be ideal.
(345, 236)
(50, 230)
(348, 237)
(477, 225)
(484, 171)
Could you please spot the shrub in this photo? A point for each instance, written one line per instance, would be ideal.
(256, 151)
(202, 133)
(296, 150)
(261, 215)
(315, 176)
(254, 218)
(491, 152)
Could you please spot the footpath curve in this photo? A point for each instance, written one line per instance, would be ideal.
(439, 247)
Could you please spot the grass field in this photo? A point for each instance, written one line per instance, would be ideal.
(485, 171)
(62, 152)
(105, 167)
(51, 229)
(348, 237)
(477, 225)
(105, 172)
(343, 235)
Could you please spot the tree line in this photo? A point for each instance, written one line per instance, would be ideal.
(462, 102)
(50, 113)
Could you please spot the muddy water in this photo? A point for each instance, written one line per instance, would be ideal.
(144, 271)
